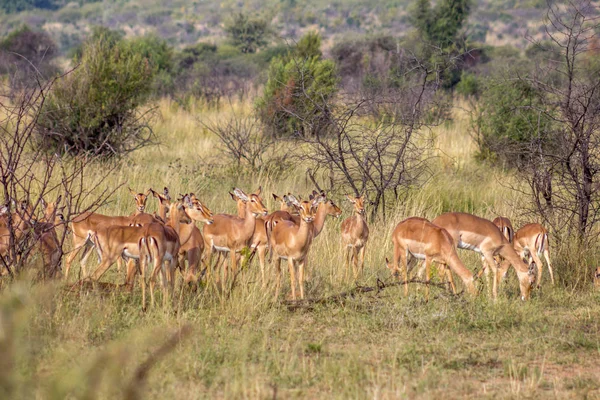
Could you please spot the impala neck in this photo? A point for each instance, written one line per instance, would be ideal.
(319, 221)
(306, 231)
(249, 222)
(173, 220)
(457, 266)
(162, 211)
(360, 218)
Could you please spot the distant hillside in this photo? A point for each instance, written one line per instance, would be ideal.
(182, 22)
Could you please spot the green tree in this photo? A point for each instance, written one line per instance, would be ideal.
(442, 23)
(248, 33)
(298, 91)
(95, 109)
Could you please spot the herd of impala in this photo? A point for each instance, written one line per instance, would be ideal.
(169, 238)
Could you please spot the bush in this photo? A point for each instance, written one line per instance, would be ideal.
(468, 85)
(508, 120)
(95, 108)
(298, 90)
(248, 33)
(25, 54)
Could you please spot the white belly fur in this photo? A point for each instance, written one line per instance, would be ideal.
(467, 246)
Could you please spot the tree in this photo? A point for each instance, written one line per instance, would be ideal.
(248, 33)
(96, 109)
(440, 25)
(27, 55)
(564, 179)
(296, 83)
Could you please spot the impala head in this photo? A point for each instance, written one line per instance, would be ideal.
(527, 281)
(178, 209)
(254, 201)
(24, 210)
(284, 203)
(163, 198)
(359, 203)
(196, 210)
(395, 271)
(51, 209)
(306, 209)
(140, 199)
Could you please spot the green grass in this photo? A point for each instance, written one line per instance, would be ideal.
(57, 343)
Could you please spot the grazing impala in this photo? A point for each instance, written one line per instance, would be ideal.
(190, 237)
(230, 234)
(530, 242)
(425, 241)
(480, 235)
(291, 242)
(507, 230)
(505, 227)
(355, 234)
(85, 224)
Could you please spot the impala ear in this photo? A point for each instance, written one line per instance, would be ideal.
(233, 196)
(166, 193)
(277, 198)
(13, 203)
(187, 201)
(240, 194)
(293, 200)
(132, 192)
(258, 191)
(148, 192)
(43, 203)
(350, 199)
(3, 209)
(154, 194)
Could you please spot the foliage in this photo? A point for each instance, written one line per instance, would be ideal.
(294, 85)
(27, 55)
(248, 33)
(441, 24)
(468, 85)
(96, 108)
(14, 6)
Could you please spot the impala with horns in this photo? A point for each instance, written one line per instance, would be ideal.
(84, 226)
(426, 241)
(530, 242)
(291, 242)
(355, 233)
(481, 235)
(229, 234)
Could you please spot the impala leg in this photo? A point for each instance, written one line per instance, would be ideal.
(143, 266)
(427, 276)
(277, 262)
(547, 257)
(494, 269)
(292, 276)
(450, 279)
(193, 259)
(539, 265)
(119, 264)
(403, 256)
(301, 266)
(102, 268)
(355, 262)
(347, 251)
(362, 259)
(262, 250)
(484, 268)
(78, 244)
(130, 275)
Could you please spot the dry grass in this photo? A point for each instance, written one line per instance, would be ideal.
(88, 344)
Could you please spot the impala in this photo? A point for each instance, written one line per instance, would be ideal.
(260, 239)
(530, 242)
(355, 233)
(22, 220)
(45, 230)
(190, 237)
(426, 241)
(597, 278)
(507, 230)
(291, 242)
(85, 224)
(230, 234)
(505, 227)
(480, 235)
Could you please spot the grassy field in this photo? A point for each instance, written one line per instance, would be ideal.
(57, 343)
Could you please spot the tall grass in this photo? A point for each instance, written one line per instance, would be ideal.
(61, 343)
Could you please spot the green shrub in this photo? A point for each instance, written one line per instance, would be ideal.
(468, 85)
(95, 109)
(298, 91)
(248, 33)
